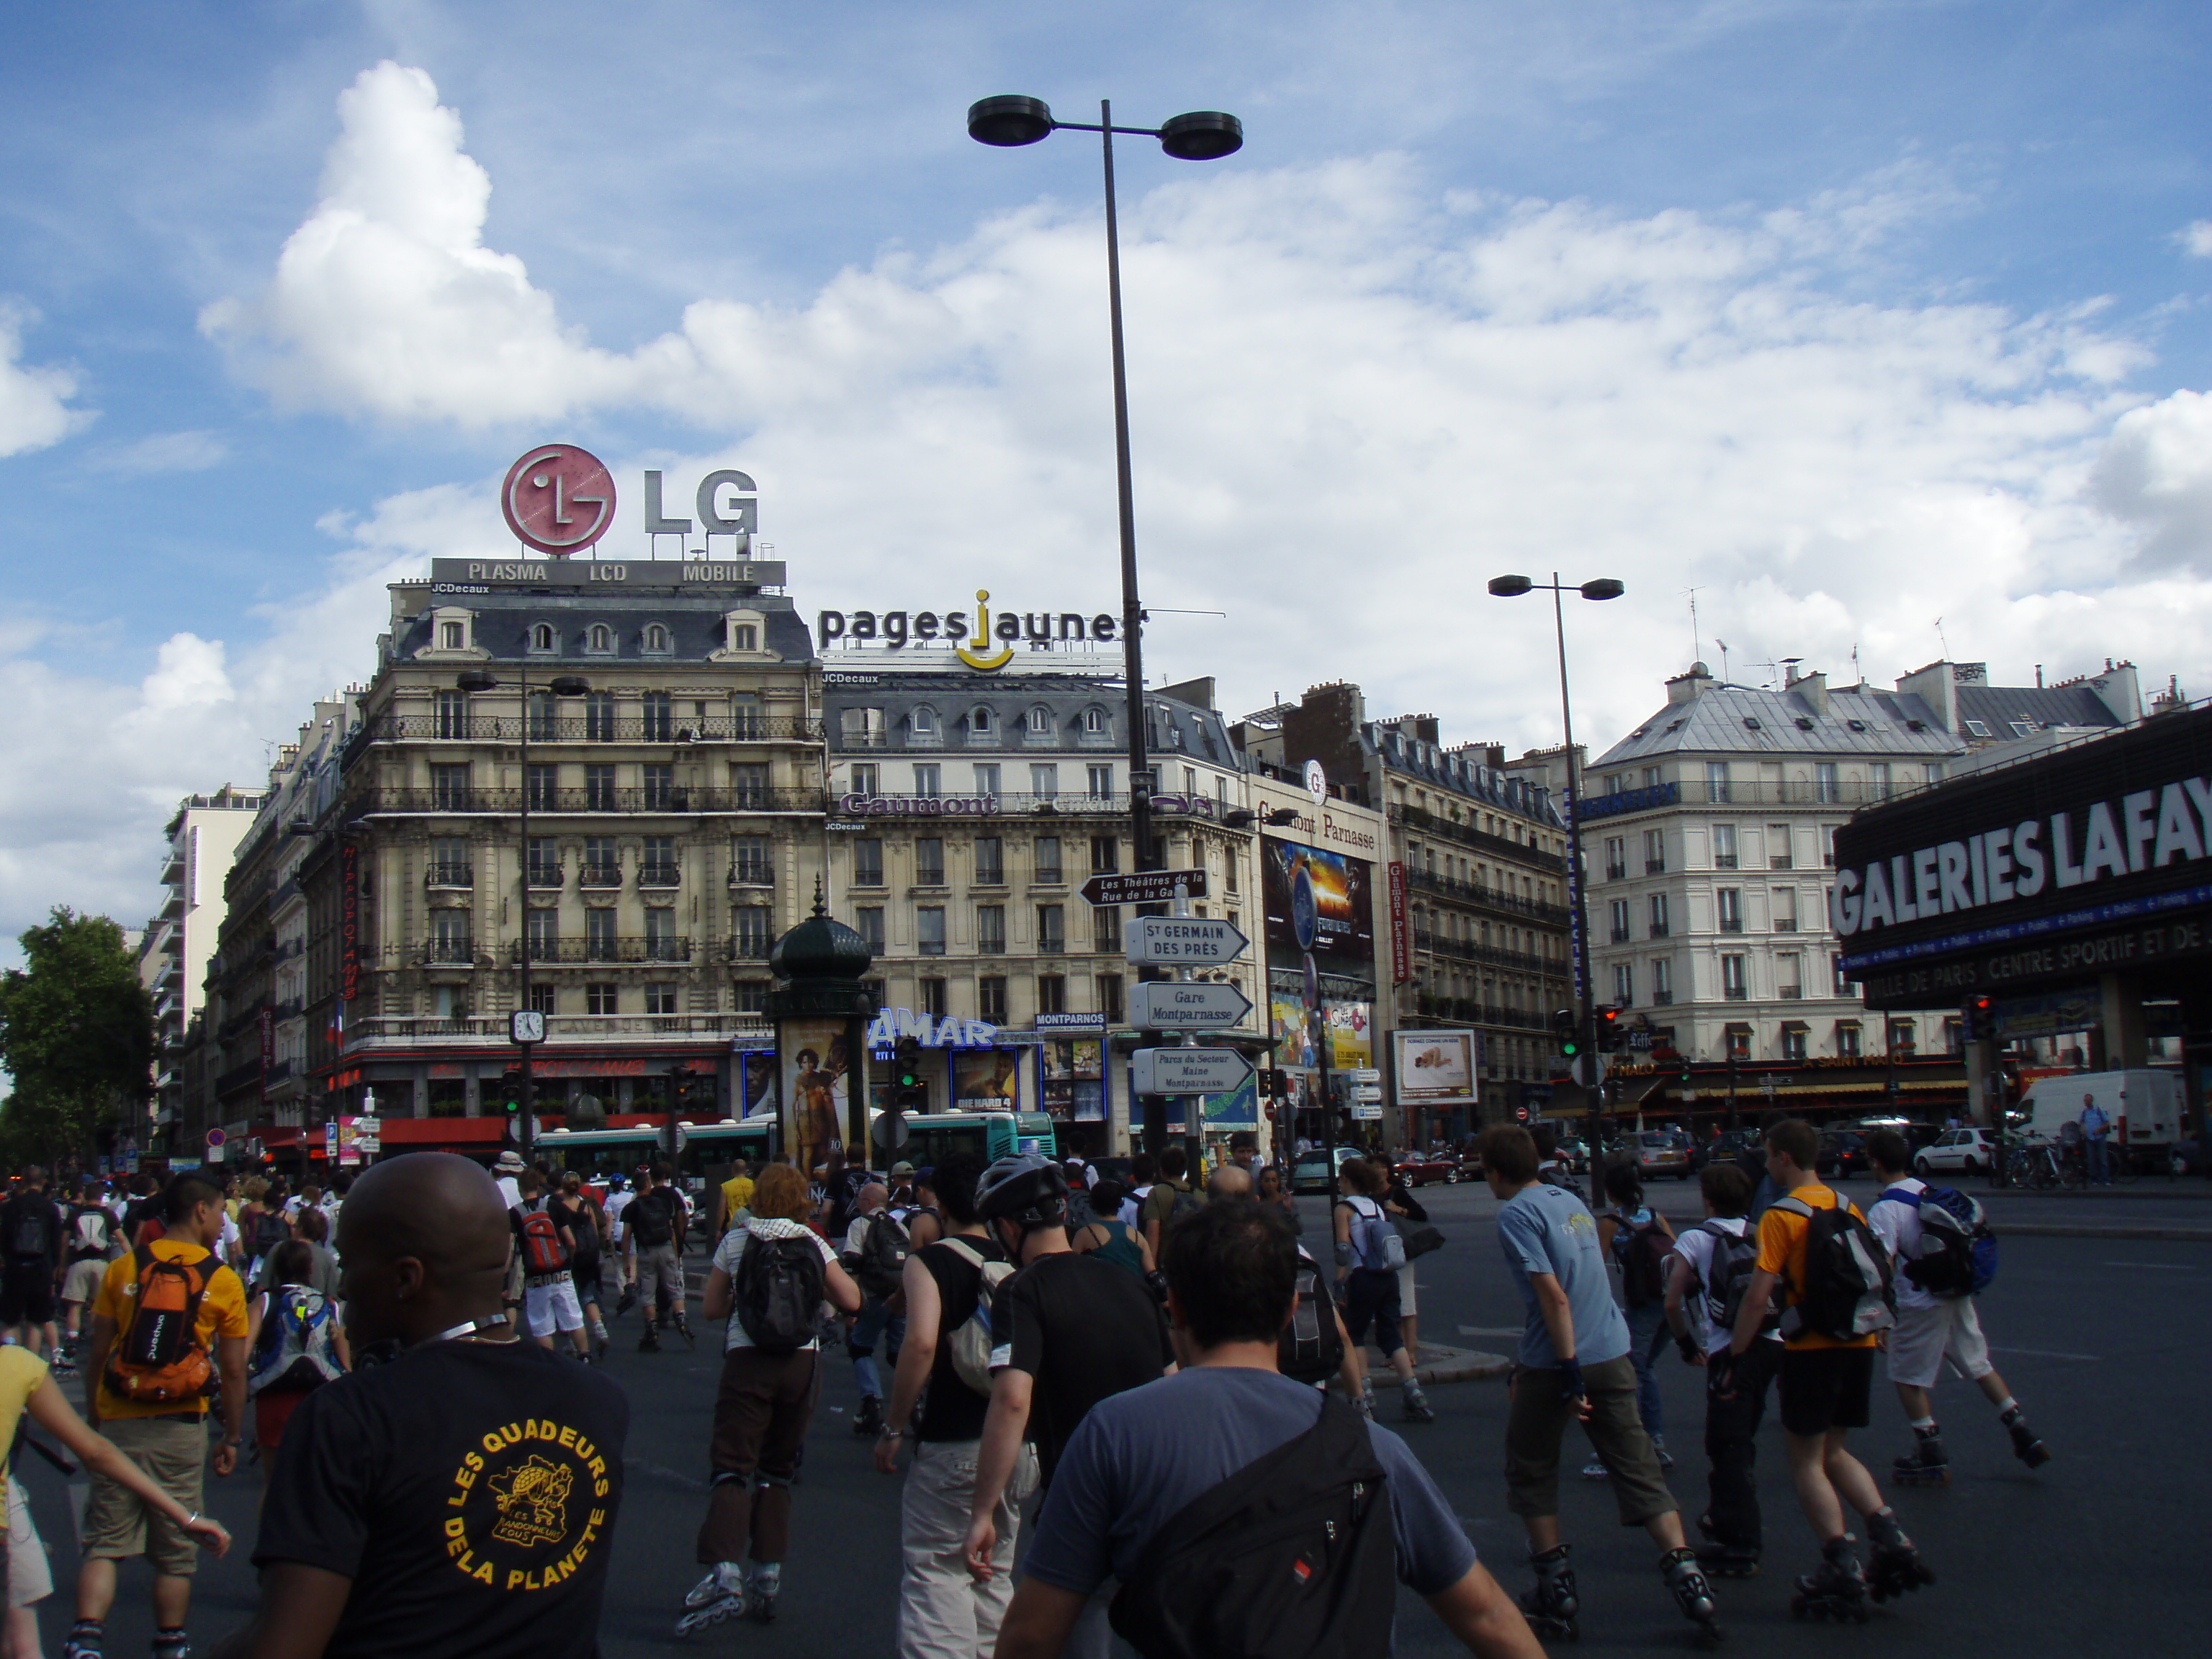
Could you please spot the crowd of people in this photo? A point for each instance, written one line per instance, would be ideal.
(1092, 1388)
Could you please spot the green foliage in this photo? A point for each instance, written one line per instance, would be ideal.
(77, 1034)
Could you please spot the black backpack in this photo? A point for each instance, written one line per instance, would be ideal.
(268, 1233)
(1642, 1253)
(1847, 1294)
(883, 1256)
(29, 1225)
(1292, 1557)
(1728, 1279)
(650, 1226)
(1310, 1348)
(779, 1289)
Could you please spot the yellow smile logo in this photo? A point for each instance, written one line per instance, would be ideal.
(977, 652)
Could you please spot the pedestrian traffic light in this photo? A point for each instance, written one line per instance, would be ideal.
(1981, 1019)
(1611, 1033)
(1563, 1027)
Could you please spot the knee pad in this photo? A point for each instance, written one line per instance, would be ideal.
(765, 1482)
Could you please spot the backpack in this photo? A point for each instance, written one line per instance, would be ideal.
(542, 1253)
(649, 1225)
(1310, 1348)
(1735, 1258)
(779, 1286)
(29, 1213)
(90, 1229)
(971, 1344)
(883, 1256)
(161, 1358)
(1642, 1253)
(1847, 1292)
(268, 1233)
(293, 1350)
(1958, 1254)
(1292, 1557)
(1374, 1240)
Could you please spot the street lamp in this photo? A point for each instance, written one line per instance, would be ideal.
(1008, 122)
(1512, 587)
(473, 681)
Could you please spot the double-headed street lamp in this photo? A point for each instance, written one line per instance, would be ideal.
(1202, 136)
(1512, 587)
(528, 1030)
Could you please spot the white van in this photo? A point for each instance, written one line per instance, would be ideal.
(2144, 1107)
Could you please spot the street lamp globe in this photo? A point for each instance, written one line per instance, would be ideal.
(1604, 588)
(1205, 135)
(1009, 122)
(568, 685)
(1509, 587)
(476, 679)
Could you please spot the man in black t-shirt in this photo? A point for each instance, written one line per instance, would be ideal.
(1066, 1332)
(31, 1235)
(458, 1499)
(652, 1245)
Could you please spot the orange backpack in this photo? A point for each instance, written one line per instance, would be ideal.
(159, 1359)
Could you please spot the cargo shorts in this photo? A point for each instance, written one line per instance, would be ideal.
(172, 1451)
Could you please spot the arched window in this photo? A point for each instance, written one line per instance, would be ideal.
(656, 638)
(980, 719)
(602, 637)
(923, 721)
(1040, 720)
(1094, 720)
(541, 636)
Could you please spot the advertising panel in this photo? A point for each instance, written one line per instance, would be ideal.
(1437, 1068)
(986, 1081)
(757, 1093)
(1402, 930)
(815, 1063)
(1075, 1079)
(1321, 952)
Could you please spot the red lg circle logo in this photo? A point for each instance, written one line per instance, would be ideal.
(558, 498)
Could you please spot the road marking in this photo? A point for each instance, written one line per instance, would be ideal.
(2156, 1267)
(1490, 1330)
(2045, 1353)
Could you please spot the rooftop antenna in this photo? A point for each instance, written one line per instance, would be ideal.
(1697, 640)
(1857, 673)
(1724, 667)
(1941, 641)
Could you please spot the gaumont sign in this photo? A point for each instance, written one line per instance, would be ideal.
(2070, 864)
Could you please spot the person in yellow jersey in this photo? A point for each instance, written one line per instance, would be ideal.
(733, 1196)
(151, 1399)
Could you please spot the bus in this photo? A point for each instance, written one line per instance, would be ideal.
(707, 1149)
(933, 1136)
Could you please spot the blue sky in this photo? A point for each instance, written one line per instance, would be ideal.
(1849, 315)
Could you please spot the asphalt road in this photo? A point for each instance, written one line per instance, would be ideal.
(2106, 1343)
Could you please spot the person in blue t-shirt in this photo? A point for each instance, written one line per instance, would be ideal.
(1573, 1365)
(1140, 1458)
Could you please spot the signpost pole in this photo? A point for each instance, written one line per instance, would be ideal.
(525, 1130)
(1194, 1142)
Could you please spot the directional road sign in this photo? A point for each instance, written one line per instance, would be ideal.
(1183, 941)
(1187, 1071)
(1144, 886)
(1165, 1006)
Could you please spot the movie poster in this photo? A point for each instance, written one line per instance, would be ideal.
(760, 1097)
(1319, 904)
(816, 1066)
(986, 1081)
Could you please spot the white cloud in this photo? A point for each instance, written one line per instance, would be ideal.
(2196, 238)
(164, 451)
(2157, 472)
(35, 409)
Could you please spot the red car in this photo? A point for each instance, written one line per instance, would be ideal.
(1419, 1169)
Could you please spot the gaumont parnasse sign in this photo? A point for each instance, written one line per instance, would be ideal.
(2090, 860)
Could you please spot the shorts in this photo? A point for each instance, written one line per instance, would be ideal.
(1536, 1423)
(27, 1293)
(585, 1276)
(272, 1410)
(512, 1295)
(172, 1451)
(1922, 1336)
(1825, 1388)
(30, 1576)
(83, 1279)
(552, 1306)
(658, 1269)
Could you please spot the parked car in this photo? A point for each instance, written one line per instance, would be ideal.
(1956, 1151)
(1843, 1153)
(1658, 1152)
(1575, 1156)
(1311, 1173)
(1420, 1169)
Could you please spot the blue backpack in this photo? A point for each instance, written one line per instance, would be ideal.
(1958, 1254)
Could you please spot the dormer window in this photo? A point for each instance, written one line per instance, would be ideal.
(923, 722)
(541, 636)
(656, 639)
(980, 721)
(602, 639)
(1094, 720)
(1039, 721)
(452, 637)
(746, 633)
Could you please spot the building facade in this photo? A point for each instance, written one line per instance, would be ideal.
(967, 808)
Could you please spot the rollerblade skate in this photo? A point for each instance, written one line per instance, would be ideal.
(1693, 1594)
(869, 1419)
(1550, 1607)
(1895, 1567)
(714, 1600)
(1415, 1404)
(2026, 1446)
(1722, 1559)
(1930, 1465)
(1838, 1590)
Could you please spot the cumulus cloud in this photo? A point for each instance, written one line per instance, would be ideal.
(2156, 472)
(2196, 238)
(35, 403)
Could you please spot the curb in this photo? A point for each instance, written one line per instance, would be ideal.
(1443, 1364)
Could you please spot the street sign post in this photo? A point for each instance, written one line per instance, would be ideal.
(1183, 941)
(1144, 886)
(1187, 1005)
(1187, 1071)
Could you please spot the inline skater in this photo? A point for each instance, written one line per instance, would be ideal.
(1573, 1366)
(1815, 1249)
(1936, 1319)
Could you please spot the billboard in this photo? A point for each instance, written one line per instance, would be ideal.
(1436, 1068)
(816, 1064)
(1318, 905)
(986, 1081)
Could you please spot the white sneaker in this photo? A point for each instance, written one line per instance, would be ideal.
(726, 1579)
(1596, 1470)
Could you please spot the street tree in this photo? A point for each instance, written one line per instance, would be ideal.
(76, 1035)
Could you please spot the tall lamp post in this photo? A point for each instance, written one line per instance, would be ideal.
(1512, 587)
(528, 1030)
(1203, 136)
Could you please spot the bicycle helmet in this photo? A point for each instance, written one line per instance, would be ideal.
(1027, 1188)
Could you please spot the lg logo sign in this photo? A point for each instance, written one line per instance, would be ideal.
(560, 499)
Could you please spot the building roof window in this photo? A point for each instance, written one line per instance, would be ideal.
(656, 638)
(541, 636)
(600, 640)
(1974, 728)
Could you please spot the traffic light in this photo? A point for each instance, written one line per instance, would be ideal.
(908, 1089)
(1279, 1084)
(1565, 1028)
(1981, 1020)
(510, 1089)
(1611, 1033)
